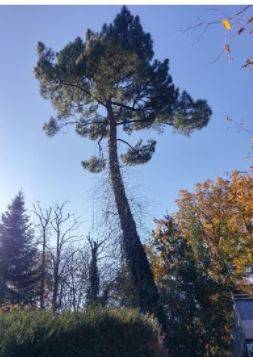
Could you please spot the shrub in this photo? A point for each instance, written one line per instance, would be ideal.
(92, 333)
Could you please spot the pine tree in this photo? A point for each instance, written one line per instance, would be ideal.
(110, 84)
(18, 255)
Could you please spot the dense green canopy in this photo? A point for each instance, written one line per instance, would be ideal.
(115, 69)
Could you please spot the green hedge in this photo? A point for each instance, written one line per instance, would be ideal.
(92, 333)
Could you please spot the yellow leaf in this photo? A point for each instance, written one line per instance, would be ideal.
(226, 23)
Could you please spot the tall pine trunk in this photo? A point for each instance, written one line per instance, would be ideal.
(138, 265)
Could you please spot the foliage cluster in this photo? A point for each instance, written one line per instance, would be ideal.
(197, 304)
(95, 332)
(199, 257)
(219, 214)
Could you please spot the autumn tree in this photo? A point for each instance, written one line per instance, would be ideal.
(199, 257)
(109, 84)
(198, 305)
(219, 213)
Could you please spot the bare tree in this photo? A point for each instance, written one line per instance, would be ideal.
(74, 271)
(44, 218)
(60, 254)
(64, 228)
(94, 286)
(73, 281)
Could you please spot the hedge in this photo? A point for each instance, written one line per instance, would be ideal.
(91, 333)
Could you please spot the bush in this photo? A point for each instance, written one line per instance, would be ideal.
(92, 333)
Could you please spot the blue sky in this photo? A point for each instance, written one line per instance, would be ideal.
(48, 169)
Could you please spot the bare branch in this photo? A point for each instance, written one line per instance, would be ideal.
(125, 142)
(100, 147)
(206, 25)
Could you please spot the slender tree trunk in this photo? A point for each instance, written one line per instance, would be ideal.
(73, 291)
(55, 289)
(93, 288)
(139, 267)
(43, 270)
(56, 273)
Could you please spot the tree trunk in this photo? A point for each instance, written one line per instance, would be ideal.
(56, 287)
(56, 273)
(139, 267)
(93, 288)
(43, 271)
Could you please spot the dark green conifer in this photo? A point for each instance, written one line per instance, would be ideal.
(18, 255)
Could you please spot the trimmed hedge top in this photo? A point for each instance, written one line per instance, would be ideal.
(93, 333)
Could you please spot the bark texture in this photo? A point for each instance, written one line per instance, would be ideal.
(139, 267)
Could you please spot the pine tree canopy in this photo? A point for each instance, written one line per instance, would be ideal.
(114, 72)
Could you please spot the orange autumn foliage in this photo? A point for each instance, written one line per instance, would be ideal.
(227, 24)
(220, 214)
(158, 259)
(156, 262)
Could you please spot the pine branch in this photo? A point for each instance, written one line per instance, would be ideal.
(131, 147)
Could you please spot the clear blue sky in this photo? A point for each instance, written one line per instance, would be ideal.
(49, 169)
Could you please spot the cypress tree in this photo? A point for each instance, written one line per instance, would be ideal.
(18, 255)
